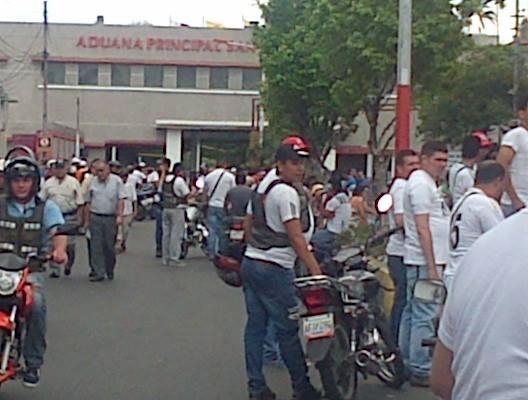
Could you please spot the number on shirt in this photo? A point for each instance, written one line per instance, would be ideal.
(455, 231)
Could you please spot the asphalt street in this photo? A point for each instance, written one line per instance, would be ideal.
(155, 333)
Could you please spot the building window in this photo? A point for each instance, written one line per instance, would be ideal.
(186, 77)
(88, 74)
(153, 76)
(218, 78)
(56, 73)
(251, 78)
(120, 75)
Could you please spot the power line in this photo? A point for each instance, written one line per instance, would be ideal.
(22, 62)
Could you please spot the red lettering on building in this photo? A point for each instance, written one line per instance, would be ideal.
(165, 44)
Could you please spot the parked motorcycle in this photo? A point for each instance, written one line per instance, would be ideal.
(16, 303)
(344, 325)
(147, 196)
(196, 232)
(229, 257)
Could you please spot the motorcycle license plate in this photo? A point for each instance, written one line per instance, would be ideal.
(319, 326)
(236, 235)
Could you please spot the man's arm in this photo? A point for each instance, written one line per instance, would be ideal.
(426, 241)
(86, 220)
(120, 208)
(248, 226)
(298, 242)
(442, 379)
(505, 158)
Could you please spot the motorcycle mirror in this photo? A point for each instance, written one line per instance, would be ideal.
(430, 291)
(384, 203)
(200, 183)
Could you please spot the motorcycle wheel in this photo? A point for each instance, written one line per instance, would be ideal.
(338, 373)
(392, 371)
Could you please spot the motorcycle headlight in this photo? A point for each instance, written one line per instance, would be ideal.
(9, 281)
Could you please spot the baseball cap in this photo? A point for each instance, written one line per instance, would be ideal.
(288, 152)
(483, 139)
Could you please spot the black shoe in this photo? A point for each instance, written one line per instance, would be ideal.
(67, 270)
(158, 253)
(54, 275)
(419, 381)
(110, 276)
(310, 394)
(97, 278)
(31, 377)
(91, 274)
(266, 394)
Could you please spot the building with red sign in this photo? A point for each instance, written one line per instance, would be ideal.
(142, 90)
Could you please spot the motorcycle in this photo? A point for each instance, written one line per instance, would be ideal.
(196, 232)
(147, 196)
(16, 303)
(229, 257)
(345, 329)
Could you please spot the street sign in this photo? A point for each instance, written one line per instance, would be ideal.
(44, 142)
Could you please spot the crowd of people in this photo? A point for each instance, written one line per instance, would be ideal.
(290, 217)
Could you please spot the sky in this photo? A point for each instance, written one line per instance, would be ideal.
(230, 13)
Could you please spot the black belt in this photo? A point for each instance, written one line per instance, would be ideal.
(70, 213)
(103, 215)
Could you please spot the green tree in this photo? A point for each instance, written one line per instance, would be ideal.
(475, 93)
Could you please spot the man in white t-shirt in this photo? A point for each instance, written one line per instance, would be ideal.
(174, 195)
(337, 212)
(513, 155)
(136, 177)
(426, 222)
(129, 212)
(278, 227)
(476, 213)
(482, 351)
(407, 162)
(217, 184)
(462, 175)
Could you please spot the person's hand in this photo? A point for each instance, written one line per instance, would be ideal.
(433, 274)
(59, 256)
(119, 220)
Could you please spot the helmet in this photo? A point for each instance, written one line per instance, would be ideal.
(299, 145)
(228, 269)
(483, 139)
(22, 166)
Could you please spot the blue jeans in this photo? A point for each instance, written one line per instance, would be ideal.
(35, 344)
(269, 293)
(324, 243)
(398, 272)
(271, 346)
(157, 212)
(215, 225)
(416, 325)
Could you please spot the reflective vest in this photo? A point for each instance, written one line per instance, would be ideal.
(21, 235)
(169, 198)
(262, 236)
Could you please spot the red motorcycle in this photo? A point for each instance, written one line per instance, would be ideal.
(16, 302)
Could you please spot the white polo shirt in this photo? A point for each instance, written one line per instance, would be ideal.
(282, 205)
(472, 216)
(342, 209)
(485, 320)
(225, 183)
(66, 193)
(517, 139)
(422, 196)
(396, 244)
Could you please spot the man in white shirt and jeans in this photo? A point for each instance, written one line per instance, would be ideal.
(513, 155)
(482, 351)
(407, 162)
(217, 184)
(476, 213)
(426, 222)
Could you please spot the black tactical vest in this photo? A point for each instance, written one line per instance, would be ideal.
(262, 236)
(169, 198)
(21, 235)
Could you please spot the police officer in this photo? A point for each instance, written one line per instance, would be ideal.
(278, 227)
(26, 226)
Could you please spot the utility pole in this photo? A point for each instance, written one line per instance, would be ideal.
(45, 73)
(78, 128)
(516, 59)
(404, 90)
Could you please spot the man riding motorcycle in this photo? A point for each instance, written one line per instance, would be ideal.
(27, 225)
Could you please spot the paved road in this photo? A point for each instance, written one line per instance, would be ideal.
(155, 333)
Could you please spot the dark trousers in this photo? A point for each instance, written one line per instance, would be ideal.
(103, 230)
(158, 212)
(398, 272)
